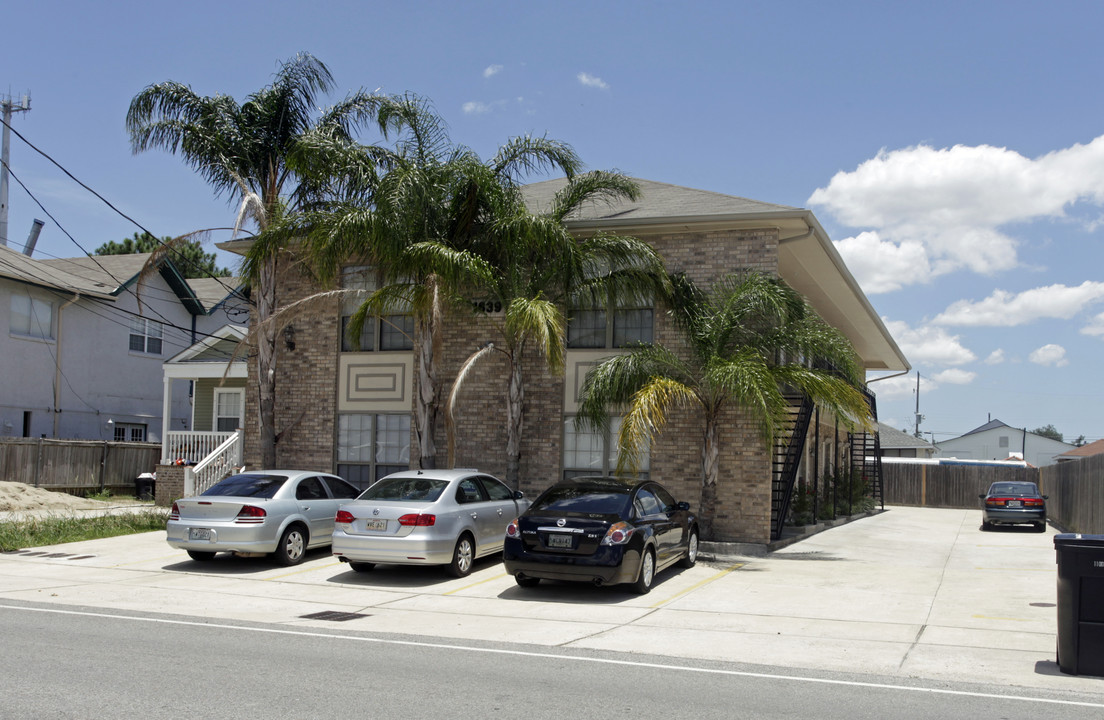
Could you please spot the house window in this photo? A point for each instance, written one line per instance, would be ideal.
(590, 326)
(228, 410)
(145, 336)
(1002, 441)
(394, 331)
(130, 432)
(371, 446)
(32, 317)
(590, 452)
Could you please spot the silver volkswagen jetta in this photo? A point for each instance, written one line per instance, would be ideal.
(426, 517)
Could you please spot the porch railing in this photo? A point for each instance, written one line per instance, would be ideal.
(191, 447)
(222, 461)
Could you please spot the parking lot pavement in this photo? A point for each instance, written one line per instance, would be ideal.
(910, 592)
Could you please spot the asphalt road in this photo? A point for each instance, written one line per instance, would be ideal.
(91, 663)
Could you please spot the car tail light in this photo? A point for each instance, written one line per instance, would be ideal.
(996, 501)
(250, 514)
(418, 519)
(618, 534)
(1033, 502)
(174, 514)
(512, 530)
(344, 516)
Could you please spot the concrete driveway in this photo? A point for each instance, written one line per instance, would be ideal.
(910, 592)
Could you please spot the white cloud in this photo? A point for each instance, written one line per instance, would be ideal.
(952, 202)
(900, 387)
(880, 266)
(1095, 326)
(475, 108)
(1049, 355)
(929, 344)
(955, 376)
(592, 81)
(492, 70)
(996, 357)
(1005, 309)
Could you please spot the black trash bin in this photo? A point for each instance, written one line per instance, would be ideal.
(1080, 561)
(145, 486)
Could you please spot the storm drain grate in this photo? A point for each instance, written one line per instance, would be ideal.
(333, 616)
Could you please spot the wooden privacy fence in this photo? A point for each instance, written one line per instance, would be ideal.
(77, 466)
(1075, 489)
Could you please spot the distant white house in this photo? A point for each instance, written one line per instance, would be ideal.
(996, 440)
(83, 342)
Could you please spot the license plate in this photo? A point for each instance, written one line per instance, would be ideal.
(199, 534)
(375, 524)
(559, 541)
(1015, 503)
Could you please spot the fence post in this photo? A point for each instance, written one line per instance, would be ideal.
(38, 462)
(103, 464)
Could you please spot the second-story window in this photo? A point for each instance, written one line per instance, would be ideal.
(392, 331)
(612, 325)
(145, 336)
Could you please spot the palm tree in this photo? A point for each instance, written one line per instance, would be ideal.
(242, 152)
(410, 211)
(747, 339)
(538, 270)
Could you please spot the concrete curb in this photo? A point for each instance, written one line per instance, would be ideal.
(734, 551)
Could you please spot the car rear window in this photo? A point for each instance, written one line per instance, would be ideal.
(407, 489)
(583, 500)
(1013, 489)
(256, 486)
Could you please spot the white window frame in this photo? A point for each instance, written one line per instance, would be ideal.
(367, 450)
(35, 308)
(129, 430)
(144, 328)
(398, 328)
(613, 316)
(604, 456)
(240, 393)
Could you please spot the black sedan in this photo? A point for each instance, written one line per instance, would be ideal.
(603, 530)
(1013, 503)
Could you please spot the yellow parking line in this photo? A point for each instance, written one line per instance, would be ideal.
(300, 572)
(467, 587)
(697, 585)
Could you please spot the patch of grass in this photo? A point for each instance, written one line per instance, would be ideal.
(54, 530)
(101, 495)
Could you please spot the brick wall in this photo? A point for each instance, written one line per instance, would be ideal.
(169, 485)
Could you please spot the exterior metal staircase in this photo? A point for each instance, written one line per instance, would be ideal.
(786, 459)
(866, 454)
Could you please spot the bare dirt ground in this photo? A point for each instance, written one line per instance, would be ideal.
(23, 499)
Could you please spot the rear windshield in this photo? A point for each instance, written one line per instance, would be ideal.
(591, 501)
(408, 489)
(1013, 489)
(256, 486)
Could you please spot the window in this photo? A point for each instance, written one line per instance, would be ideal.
(468, 491)
(145, 336)
(589, 326)
(341, 489)
(310, 489)
(32, 317)
(1002, 441)
(389, 332)
(496, 490)
(371, 446)
(228, 409)
(646, 504)
(130, 432)
(589, 452)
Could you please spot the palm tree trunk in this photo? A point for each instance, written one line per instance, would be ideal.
(710, 471)
(425, 409)
(265, 289)
(515, 398)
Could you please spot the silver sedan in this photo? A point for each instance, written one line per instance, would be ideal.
(426, 517)
(277, 512)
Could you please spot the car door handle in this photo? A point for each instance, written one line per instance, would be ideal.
(306, 507)
(500, 512)
(475, 516)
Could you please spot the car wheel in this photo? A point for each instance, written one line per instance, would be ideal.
(201, 555)
(525, 581)
(691, 555)
(647, 573)
(1040, 527)
(362, 566)
(292, 547)
(986, 525)
(462, 557)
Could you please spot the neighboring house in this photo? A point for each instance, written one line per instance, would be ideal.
(898, 444)
(347, 407)
(996, 440)
(1080, 453)
(84, 339)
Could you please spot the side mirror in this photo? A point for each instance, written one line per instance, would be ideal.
(982, 496)
(1046, 497)
(684, 506)
(518, 494)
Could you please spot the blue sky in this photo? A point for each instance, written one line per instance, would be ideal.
(953, 151)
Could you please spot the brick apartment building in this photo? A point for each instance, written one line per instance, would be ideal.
(344, 409)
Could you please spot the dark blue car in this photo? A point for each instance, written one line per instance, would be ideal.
(603, 530)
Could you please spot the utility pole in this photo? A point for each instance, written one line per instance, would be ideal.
(8, 107)
(919, 417)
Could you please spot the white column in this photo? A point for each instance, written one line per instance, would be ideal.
(166, 418)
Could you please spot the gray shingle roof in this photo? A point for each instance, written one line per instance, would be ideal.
(892, 438)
